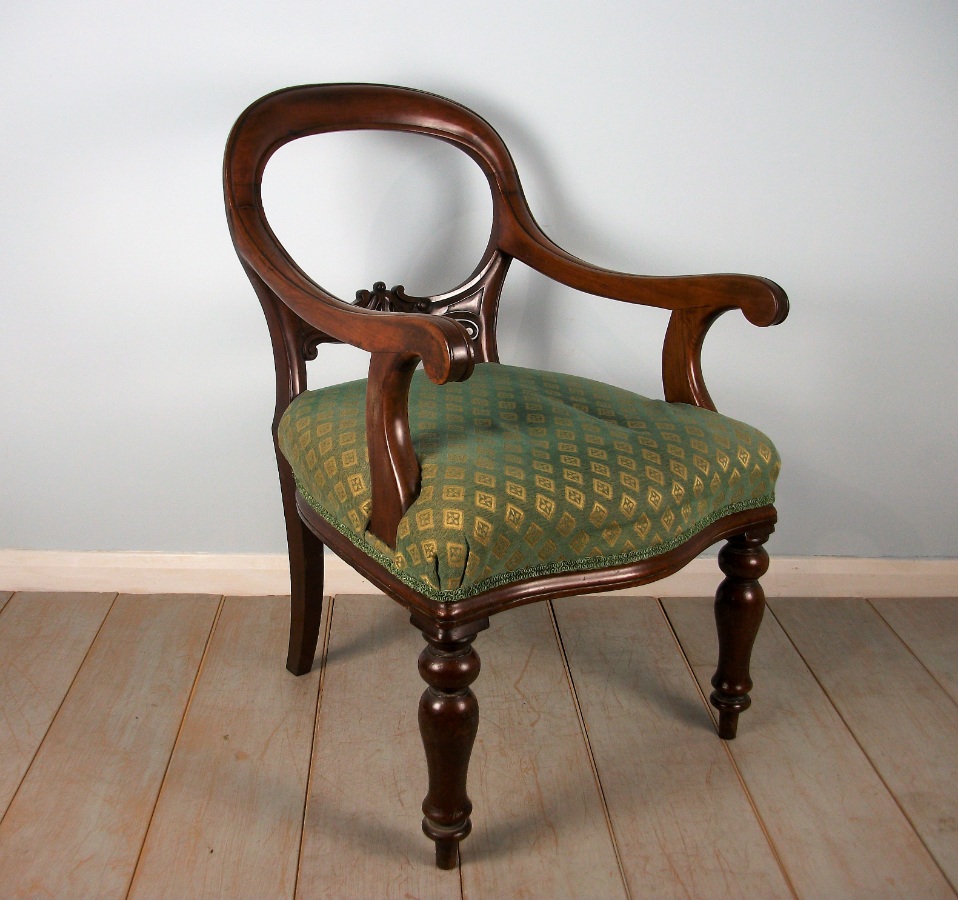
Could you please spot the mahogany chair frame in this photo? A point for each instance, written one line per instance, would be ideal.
(449, 334)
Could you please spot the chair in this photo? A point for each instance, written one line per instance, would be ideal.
(473, 487)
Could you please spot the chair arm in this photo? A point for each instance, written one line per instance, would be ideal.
(441, 343)
(762, 301)
(696, 301)
(396, 342)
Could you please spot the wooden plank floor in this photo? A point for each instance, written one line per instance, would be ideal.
(154, 746)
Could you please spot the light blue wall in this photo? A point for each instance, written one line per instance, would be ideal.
(813, 143)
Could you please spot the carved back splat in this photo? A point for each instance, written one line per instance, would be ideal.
(474, 304)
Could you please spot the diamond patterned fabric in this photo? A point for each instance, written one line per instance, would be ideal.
(526, 473)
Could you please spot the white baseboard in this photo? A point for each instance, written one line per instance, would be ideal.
(260, 574)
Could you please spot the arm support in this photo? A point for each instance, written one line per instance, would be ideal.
(682, 356)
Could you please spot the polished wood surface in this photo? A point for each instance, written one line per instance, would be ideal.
(450, 333)
(448, 722)
(739, 606)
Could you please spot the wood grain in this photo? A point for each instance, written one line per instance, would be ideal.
(903, 719)
(43, 639)
(77, 823)
(683, 824)
(539, 826)
(361, 834)
(929, 626)
(830, 818)
(229, 817)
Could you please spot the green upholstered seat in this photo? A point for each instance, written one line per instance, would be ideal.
(526, 473)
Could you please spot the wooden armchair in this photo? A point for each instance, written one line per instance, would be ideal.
(477, 487)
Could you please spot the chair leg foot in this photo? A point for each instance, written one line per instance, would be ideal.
(448, 722)
(447, 854)
(306, 598)
(728, 710)
(739, 606)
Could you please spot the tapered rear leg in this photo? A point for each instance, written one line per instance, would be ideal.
(306, 599)
(739, 605)
(305, 578)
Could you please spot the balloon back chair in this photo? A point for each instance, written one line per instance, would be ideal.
(473, 487)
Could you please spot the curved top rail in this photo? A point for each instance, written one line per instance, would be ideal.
(296, 112)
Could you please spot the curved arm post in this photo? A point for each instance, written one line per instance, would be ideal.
(393, 466)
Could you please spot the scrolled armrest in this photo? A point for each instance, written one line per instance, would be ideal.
(762, 301)
(442, 344)
(696, 301)
(682, 376)
(396, 343)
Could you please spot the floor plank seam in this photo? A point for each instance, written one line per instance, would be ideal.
(5, 605)
(324, 653)
(63, 700)
(731, 756)
(588, 748)
(176, 741)
(861, 747)
(834, 846)
(911, 652)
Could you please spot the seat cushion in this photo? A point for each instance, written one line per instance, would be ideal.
(527, 472)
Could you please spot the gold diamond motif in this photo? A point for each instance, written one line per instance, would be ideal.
(482, 531)
(598, 514)
(545, 506)
(466, 445)
(602, 488)
(611, 533)
(575, 497)
(566, 524)
(514, 516)
(516, 491)
(643, 526)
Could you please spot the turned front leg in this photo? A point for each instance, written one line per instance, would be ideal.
(739, 605)
(448, 722)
